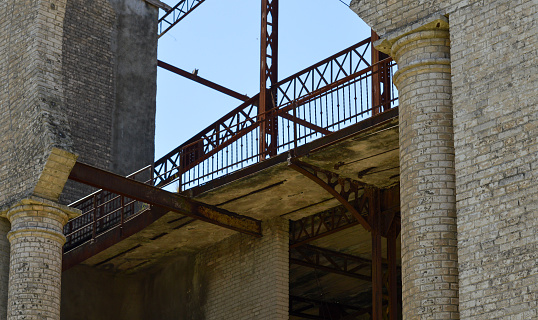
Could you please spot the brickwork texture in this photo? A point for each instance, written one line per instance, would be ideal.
(495, 88)
(36, 241)
(89, 83)
(247, 278)
(494, 61)
(109, 76)
(429, 256)
(32, 107)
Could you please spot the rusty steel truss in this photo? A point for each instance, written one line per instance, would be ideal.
(312, 103)
(375, 210)
(174, 15)
(337, 92)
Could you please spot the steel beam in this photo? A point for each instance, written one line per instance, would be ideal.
(268, 78)
(330, 261)
(320, 225)
(377, 259)
(176, 14)
(304, 123)
(207, 83)
(348, 188)
(170, 201)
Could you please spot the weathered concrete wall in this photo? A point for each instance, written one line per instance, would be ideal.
(172, 291)
(494, 60)
(135, 47)
(110, 72)
(89, 293)
(169, 291)
(247, 278)
(5, 226)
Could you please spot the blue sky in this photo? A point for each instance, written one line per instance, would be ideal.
(221, 38)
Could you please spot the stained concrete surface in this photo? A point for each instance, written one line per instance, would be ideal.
(135, 46)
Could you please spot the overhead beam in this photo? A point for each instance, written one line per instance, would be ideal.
(194, 77)
(336, 219)
(330, 261)
(170, 201)
(112, 236)
(342, 196)
(320, 225)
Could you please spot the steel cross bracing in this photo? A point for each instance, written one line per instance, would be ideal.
(176, 14)
(268, 78)
(376, 211)
(345, 190)
(331, 261)
(320, 225)
(315, 102)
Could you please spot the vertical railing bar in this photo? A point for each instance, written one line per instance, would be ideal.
(122, 214)
(94, 231)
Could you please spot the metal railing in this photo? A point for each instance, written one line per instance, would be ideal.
(315, 102)
(102, 211)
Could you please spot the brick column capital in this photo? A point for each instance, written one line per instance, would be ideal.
(37, 215)
(424, 29)
(420, 48)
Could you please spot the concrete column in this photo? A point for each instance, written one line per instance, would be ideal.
(36, 239)
(428, 204)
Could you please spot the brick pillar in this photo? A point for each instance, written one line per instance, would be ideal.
(428, 204)
(36, 239)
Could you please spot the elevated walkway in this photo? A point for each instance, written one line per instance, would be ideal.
(324, 157)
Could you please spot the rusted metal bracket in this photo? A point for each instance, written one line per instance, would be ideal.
(331, 261)
(320, 225)
(344, 190)
(173, 202)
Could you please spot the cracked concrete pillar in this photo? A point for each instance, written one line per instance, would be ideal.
(428, 203)
(35, 268)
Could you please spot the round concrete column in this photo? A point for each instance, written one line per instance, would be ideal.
(36, 239)
(427, 180)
